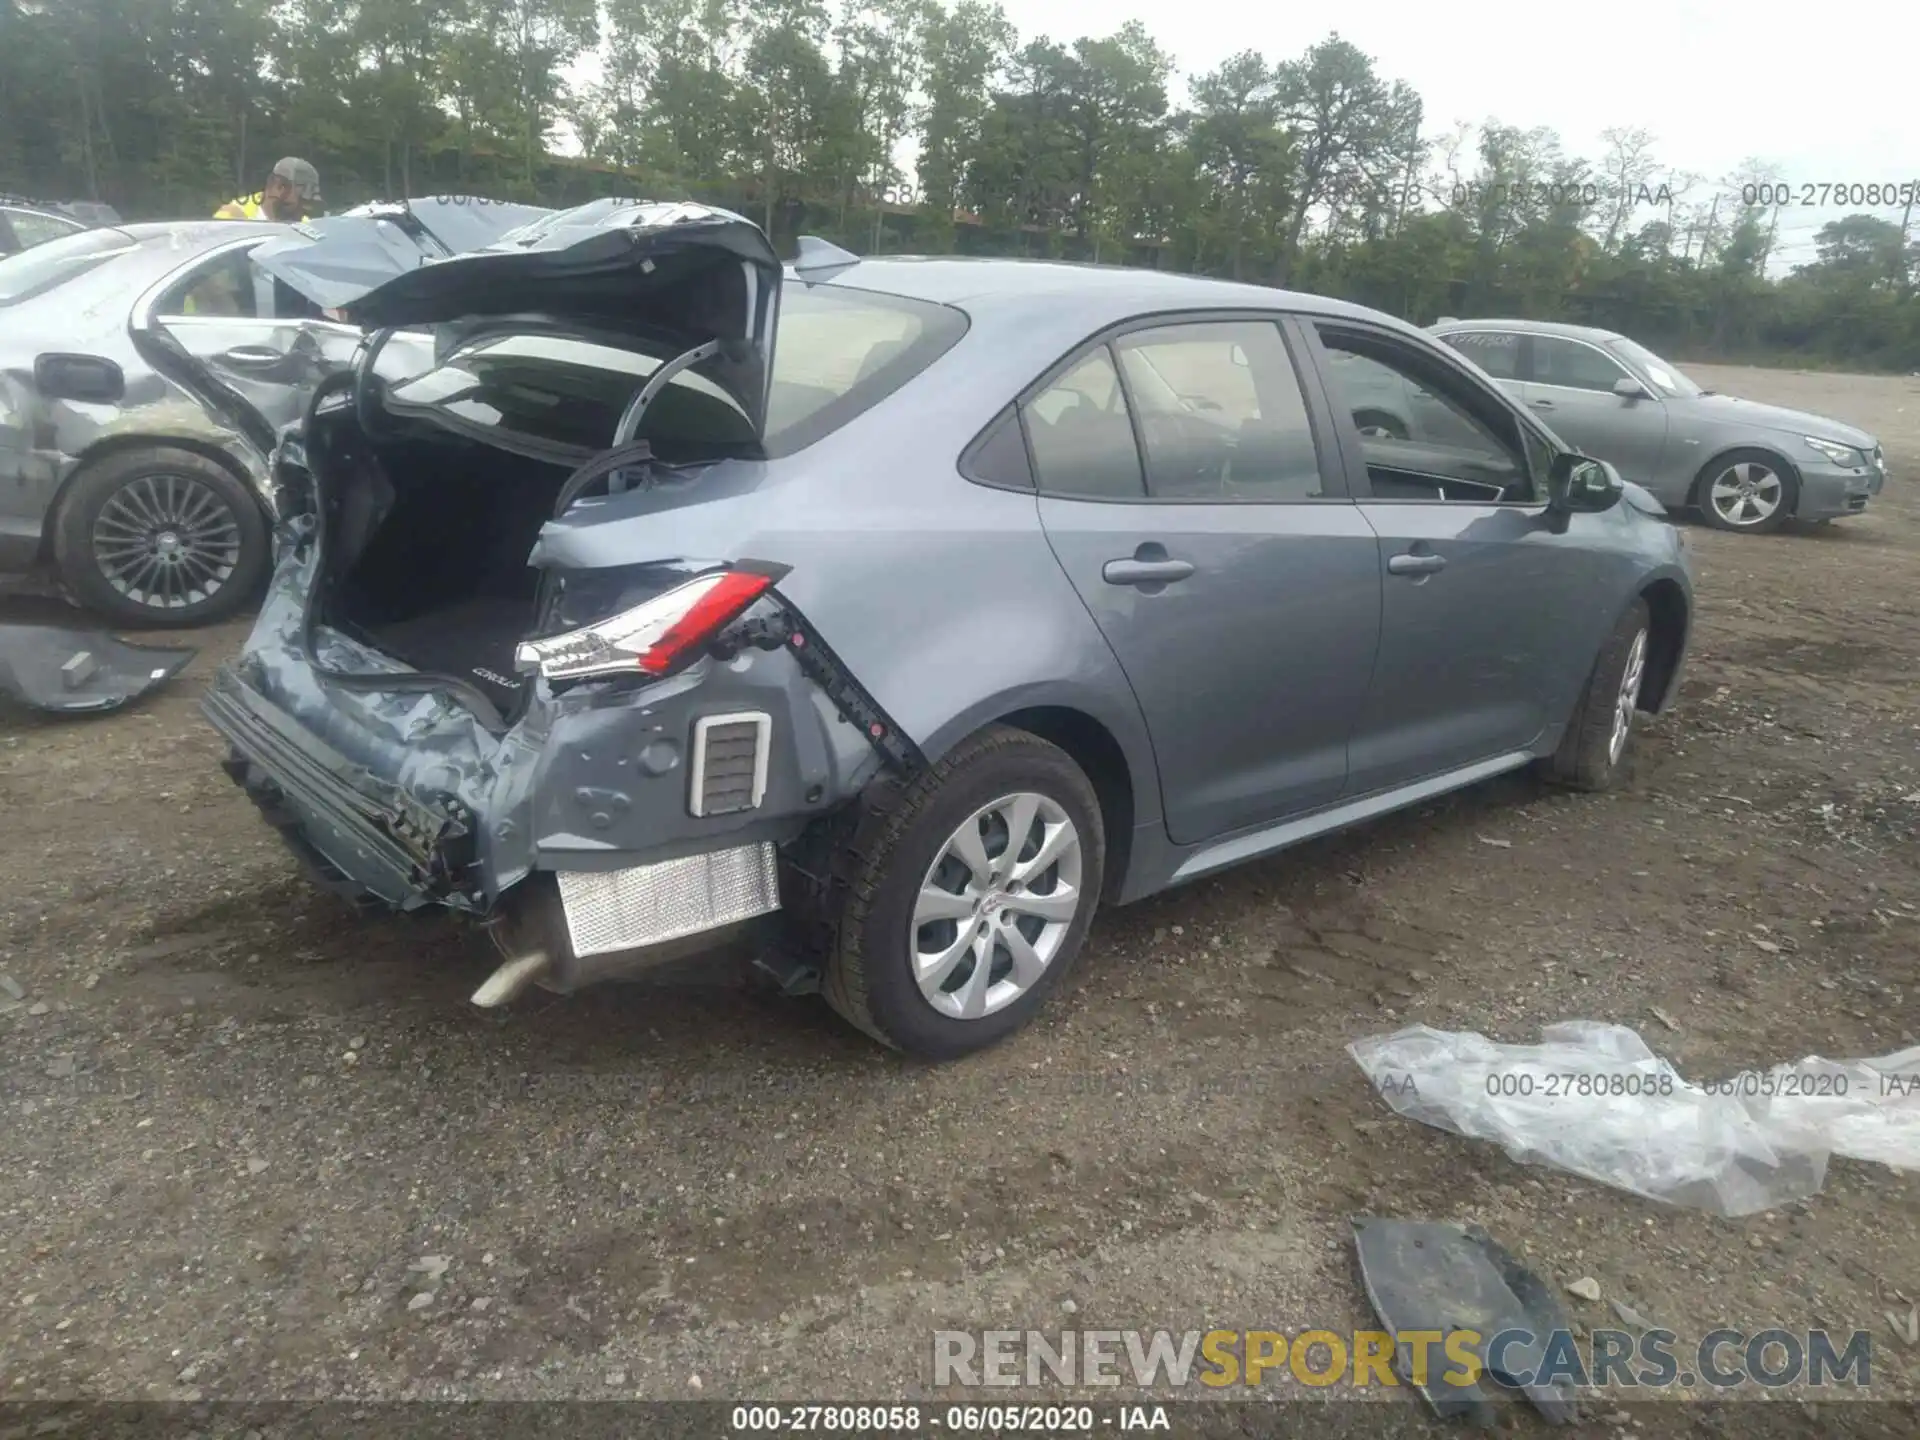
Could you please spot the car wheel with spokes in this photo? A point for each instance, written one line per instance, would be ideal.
(1594, 744)
(160, 537)
(1749, 491)
(966, 897)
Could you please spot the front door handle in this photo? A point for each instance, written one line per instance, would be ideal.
(1145, 572)
(1415, 564)
(1541, 404)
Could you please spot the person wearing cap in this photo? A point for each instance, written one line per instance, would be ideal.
(292, 193)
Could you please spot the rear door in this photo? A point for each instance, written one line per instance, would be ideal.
(263, 341)
(1188, 488)
(1569, 385)
(1479, 591)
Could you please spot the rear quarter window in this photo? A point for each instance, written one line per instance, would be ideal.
(34, 272)
(1495, 351)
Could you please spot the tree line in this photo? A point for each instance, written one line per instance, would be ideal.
(1316, 171)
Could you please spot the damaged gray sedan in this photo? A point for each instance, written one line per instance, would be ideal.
(145, 372)
(992, 591)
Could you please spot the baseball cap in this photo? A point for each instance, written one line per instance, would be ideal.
(302, 176)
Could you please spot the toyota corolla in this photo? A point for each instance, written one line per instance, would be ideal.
(900, 612)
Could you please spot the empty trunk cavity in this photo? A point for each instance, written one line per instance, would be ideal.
(430, 558)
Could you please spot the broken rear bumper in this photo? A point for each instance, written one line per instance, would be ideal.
(361, 836)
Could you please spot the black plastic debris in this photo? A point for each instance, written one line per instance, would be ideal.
(80, 672)
(1425, 1277)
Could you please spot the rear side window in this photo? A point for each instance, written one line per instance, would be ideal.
(1495, 351)
(31, 228)
(45, 267)
(1220, 412)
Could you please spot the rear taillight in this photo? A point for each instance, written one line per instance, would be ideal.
(655, 639)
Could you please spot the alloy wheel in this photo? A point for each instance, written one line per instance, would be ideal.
(996, 905)
(1628, 698)
(166, 541)
(1745, 494)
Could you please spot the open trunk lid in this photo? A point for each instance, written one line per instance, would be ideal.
(671, 276)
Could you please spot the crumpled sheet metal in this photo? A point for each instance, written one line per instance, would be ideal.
(64, 671)
(1592, 1099)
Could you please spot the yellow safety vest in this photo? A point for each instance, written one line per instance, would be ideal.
(244, 207)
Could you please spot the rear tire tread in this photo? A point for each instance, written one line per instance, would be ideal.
(1582, 762)
(862, 842)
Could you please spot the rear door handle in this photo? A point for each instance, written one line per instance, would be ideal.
(1145, 572)
(1415, 564)
(1541, 404)
(253, 357)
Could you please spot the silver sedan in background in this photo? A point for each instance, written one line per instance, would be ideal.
(1743, 465)
(145, 373)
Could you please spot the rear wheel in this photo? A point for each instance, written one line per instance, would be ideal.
(160, 536)
(1595, 743)
(965, 895)
(1747, 490)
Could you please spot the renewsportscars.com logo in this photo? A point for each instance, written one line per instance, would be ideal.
(1653, 1359)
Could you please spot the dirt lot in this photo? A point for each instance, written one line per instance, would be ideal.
(234, 1120)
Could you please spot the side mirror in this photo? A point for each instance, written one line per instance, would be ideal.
(1578, 485)
(88, 379)
(1627, 388)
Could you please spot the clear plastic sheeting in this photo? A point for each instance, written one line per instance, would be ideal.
(1594, 1100)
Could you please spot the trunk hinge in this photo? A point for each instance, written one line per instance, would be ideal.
(787, 629)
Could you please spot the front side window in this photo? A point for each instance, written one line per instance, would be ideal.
(1666, 378)
(1081, 435)
(1495, 351)
(1426, 430)
(1575, 366)
(1220, 411)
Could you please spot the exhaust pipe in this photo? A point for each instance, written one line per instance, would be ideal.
(513, 977)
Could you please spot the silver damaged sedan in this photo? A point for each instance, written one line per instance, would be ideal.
(898, 613)
(145, 372)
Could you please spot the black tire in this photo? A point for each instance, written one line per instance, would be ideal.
(1720, 465)
(1392, 425)
(1585, 759)
(885, 850)
(239, 517)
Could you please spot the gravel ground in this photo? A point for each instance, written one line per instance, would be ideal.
(252, 1147)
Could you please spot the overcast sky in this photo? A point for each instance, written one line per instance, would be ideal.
(1825, 92)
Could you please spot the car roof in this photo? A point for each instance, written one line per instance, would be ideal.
(1098, 294)
(1534, 327)
(194, 232)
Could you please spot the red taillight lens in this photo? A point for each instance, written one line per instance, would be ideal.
(655, 638)
(711, 611)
